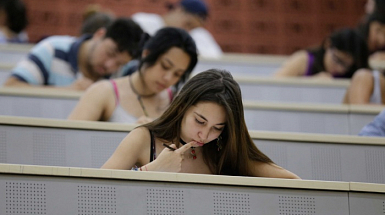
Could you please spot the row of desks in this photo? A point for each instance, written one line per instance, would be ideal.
(66, 190)
(87, 144)
(270, 116)
(299, 90)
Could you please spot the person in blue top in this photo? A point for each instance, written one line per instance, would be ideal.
(75, 63)
(376, 127)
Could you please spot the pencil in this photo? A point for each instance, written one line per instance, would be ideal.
(172, 149)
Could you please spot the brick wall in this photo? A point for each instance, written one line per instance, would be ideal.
(247, 26)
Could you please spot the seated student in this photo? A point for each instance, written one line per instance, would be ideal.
(375, 128)
(373, 30)
(167, 59)
(13, 21)
(366, 87)
(189, 15)
(339, 56)
(203, 131)
(75, 63)
(374, 5)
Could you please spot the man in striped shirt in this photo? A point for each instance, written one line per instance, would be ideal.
(75, 63)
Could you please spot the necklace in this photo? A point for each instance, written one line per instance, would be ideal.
(193, 154)
(139, 96)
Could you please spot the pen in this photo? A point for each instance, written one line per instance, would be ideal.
(172, 149)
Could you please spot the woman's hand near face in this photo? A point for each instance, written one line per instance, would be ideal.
(169, 160)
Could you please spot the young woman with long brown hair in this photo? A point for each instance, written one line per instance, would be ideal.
(203, 131)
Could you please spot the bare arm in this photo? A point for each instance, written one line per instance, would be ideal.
(94, 103)
(295, 66)
(360, 89)
(272, 171)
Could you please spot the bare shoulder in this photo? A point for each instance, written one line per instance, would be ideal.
(100, 87)
(271, 170)
(101, 93)
(363, 76)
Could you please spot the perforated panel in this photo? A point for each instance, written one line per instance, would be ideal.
(96, 200)
(102, 148)
(326, 163)
(25, 198)
(226, 203)
(49, 149)
(383, 207)
(165, 201)
(3, 147)
(375, 165)
(296, 205)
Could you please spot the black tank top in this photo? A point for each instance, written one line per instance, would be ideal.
(153, 151)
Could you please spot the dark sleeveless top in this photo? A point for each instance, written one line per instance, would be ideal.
(153, 151)
(309, 64)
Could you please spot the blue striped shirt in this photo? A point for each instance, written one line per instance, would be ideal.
(53, 61)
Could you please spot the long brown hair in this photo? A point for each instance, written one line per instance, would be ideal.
(238, 149)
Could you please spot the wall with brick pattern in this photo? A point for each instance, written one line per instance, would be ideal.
(246, 26)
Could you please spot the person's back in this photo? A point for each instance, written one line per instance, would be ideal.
(75, 63)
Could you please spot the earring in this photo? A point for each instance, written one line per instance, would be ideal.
(219, 143)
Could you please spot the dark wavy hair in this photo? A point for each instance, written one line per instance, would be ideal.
(126, 34)
(363, 28)
(238, 149)
(16, 14)
(345, 40)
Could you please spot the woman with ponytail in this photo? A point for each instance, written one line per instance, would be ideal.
(166, 60)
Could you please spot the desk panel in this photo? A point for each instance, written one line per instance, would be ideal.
(326, 161)
(292, 93)
(297, 121)
(238, 68)
(366, 203)
(57, 146)
(70, 195)
(30, 106)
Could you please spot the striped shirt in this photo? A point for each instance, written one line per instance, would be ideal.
(53, 61)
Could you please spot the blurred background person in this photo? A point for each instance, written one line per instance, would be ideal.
(189, 15)
(67, 62)
(339, 56)
(13, 21)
